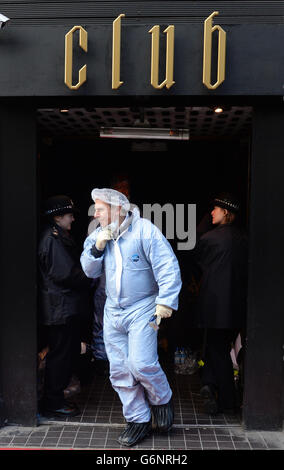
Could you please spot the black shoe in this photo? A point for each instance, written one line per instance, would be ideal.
(134, 433)
(210, 402)
(163, 416)
(65, 411)
(124, 432)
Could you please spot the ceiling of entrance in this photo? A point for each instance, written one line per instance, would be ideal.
(201, 121)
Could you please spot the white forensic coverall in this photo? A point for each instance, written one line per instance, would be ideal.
(141, 271)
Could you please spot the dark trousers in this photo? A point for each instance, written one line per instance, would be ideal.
(63, 342)
(218, 367)
(97, 344)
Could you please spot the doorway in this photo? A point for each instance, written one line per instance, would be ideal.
(73, 159)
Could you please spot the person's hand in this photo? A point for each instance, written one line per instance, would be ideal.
(162, 311)
(103, 237)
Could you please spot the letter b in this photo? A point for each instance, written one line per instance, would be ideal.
(207, 52)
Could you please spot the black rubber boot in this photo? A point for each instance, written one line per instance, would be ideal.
(163, 416)
(134, 433)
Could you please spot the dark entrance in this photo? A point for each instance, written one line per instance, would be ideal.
(73, 159)
(263, 397)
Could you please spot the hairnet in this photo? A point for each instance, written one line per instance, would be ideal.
(111, 196)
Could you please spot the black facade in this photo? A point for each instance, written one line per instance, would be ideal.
(33, 75)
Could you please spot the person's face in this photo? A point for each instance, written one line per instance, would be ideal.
(65, 221)
(218, 215)
(102, 212)
(105, 213)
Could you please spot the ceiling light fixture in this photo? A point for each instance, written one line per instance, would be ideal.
(144, 133)
(218, 110)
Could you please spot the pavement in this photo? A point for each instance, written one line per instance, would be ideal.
(76, 435)
(100, 422)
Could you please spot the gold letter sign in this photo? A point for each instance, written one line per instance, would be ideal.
(116, 33)
(168, 82)
(83, 42)
(207, 52)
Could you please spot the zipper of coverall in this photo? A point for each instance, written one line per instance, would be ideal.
(118, 262)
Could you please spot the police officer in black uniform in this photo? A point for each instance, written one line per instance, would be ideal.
(62, 285)
(221, 254)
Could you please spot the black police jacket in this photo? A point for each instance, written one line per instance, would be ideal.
(222, 256)
(62, 280)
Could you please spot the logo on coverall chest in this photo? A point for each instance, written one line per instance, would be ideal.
(135, 258)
